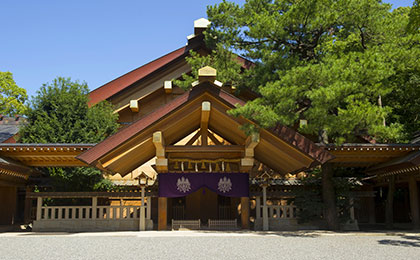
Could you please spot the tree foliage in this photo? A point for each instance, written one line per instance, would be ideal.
(341, 65)
(12, 97)
(59, 113)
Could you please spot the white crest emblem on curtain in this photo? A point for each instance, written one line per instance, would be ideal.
(183, 185)
(224, 185)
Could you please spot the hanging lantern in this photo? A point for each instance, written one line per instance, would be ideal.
(182, 166)
(223, 166)
(203, 165)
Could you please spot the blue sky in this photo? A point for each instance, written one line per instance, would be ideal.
(93, 41)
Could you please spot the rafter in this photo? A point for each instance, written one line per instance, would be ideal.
(214, 139)
(194, 138)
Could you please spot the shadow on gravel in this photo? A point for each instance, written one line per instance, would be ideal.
(308, 234)
(409, 241)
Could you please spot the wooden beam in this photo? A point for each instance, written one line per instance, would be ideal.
(161, 161)
(194, 138)
(214, 139)
(204, 124)
(207, 149)
(119, 156)
(87, 194)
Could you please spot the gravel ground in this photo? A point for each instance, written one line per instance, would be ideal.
(209, 245)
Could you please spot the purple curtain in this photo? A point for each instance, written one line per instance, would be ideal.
(173, 185)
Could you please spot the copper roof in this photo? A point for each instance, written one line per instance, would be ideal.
(113, 87)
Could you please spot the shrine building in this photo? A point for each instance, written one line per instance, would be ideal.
(183, 162)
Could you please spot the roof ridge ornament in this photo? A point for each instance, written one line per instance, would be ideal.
(207, 73)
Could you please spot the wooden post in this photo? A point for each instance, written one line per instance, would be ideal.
(414, 201)
(353, 219)
(371, 205)
(149, 208)
(162, 213)
(265, 209)
(38, 208)
(389, 207)
(94, 207)
(258, 207)
(245, 212)
(28, 207)
(142, 219)
(328, 197)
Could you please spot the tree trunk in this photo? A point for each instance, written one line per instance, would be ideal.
(389, 209)
(328, 197)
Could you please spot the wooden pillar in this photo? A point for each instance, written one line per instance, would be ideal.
(162, 213)
(28, 207)
(245, 212)
(38, 208)
(265, 209)
(389, 207)
(258, 207)
(371, 210)
(328, 197)
(352, 217)
(149, 208)
(414, 202)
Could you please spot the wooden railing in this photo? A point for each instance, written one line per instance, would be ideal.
(188, 224)
(282, 211)
(89, 212)
(279, 211)
(223, 224)
(92, 212)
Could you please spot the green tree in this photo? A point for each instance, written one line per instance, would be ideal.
(342, 65)
(59, 113)
(414, 22)
(12, 97)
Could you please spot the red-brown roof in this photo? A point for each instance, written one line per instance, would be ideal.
(113, 87)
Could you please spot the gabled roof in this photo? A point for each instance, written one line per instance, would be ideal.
(113, 87)
(125, 81)
(132, 146)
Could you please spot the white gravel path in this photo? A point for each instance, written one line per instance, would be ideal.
(210, 245)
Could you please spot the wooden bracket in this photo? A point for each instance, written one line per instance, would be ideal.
(248, 161)
(161, 161)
